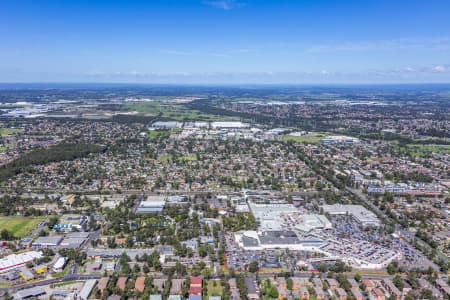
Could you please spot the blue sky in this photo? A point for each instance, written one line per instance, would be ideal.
(225, 41)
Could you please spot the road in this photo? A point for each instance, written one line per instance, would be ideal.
(38, 228)
(68, 277)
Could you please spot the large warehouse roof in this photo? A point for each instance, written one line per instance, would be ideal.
(360, 213)
(16, 260)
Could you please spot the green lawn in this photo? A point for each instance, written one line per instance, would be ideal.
(181, 158)
(8, 131)
(20, 226)
(214, 290)
(311, 138)
(165, 157)
(423, 150)
(154, 134)
(188, 158)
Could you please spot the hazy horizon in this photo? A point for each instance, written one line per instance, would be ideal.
(225, 42)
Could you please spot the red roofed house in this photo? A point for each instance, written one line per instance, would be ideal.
(196, 285)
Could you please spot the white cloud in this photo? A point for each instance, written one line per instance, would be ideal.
(440, 69)
(224, 4)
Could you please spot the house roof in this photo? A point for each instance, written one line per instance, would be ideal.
(196, 290)
(121, 282)
(139, 285)
(102, 283)
(196, 280)
(378, 292)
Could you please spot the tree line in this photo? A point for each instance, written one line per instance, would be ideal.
(61, 152)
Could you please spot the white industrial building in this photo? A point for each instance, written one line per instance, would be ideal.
(14, 261)
(285, 239)
(166, 125)
(87, 289)
(59, 265)
(153, 204)
(229, 125)
(286, 216)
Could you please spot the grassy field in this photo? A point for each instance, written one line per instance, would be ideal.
(423, 150)
(165, 157)
(214, 290)
(371, 272)
(420, 150)
(154, 134)
(181, 158)
(312, 138)
(20, 226)
(188, 158)
(8, 131)
(172, 111)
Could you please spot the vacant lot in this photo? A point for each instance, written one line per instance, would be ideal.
(19, 226)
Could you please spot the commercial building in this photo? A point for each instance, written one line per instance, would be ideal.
(47, 241)
(177, 199)
(339, 139)
(287, 239)
(286, 216)
(26, 274)
(14, 261)
(359, 213)
(72, 242)
(229, 125)
(166, 125)
(197, 124)
(70, 222)
(59, 265)
(29, 293)
(87, 289)
(153, 205)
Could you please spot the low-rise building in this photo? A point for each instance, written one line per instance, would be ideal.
(340, 294)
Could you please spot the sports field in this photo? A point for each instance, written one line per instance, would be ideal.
(311, 138)
(19, 226)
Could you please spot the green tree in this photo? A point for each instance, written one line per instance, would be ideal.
(253, 267)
